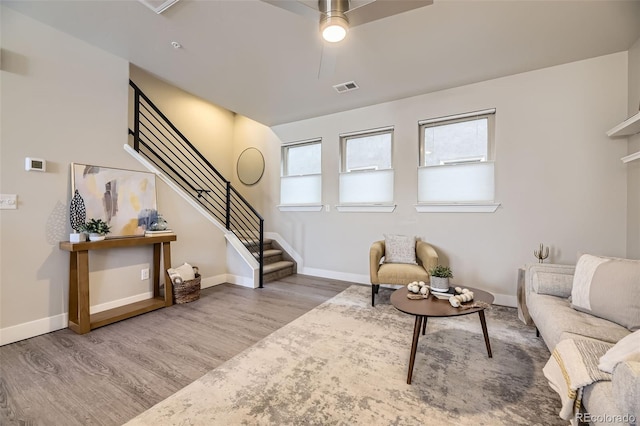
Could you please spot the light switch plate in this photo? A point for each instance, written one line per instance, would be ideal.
(8, 201)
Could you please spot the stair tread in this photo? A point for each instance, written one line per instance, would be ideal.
(276, 266)
(269, 253)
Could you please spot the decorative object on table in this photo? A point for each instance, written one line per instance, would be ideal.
(541, 253)
(97, 229)
(417, 290)
(465, 295)
(440, 278)
(77, 218)
(117, 195)
(186, 283)
(155, 224)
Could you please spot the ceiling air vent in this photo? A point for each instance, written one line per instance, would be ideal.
(158, 6)
(346, 87)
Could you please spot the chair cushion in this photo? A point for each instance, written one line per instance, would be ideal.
(401, 273)
(608, 288)
(399, 249)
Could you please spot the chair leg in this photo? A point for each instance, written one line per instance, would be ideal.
(374, 291)
(377, 288)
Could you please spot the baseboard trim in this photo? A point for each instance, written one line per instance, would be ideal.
(241, 281)
(336, 275)
(125, 301)
(33, 328)
(213, 281)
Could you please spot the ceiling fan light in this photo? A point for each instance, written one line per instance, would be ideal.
(334, 28)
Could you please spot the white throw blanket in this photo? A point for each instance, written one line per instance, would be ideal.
(573, 366)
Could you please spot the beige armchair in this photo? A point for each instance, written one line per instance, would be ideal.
(399, 273)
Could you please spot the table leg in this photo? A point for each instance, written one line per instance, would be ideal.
(73, 289)
(414, 346)
(84, 320)
(424, 325)
(168, 285)
(483, 322)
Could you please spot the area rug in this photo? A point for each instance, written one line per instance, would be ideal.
(345, 363)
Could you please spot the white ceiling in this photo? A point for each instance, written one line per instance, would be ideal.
(263, 62)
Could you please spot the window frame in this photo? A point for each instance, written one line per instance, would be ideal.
(372, 206)
(453, 206)
(285, 158)
(345, 137)
(458, 118)
(284, 163)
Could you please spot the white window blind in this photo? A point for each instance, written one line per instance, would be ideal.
(366, 187)
(301, 189)
(469, 182)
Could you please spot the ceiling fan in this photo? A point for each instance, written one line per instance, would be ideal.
(335, 17)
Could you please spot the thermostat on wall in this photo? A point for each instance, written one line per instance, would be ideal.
(37, 164)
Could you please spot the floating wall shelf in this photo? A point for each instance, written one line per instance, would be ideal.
(628, 127)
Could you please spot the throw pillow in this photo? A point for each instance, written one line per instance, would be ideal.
(608, 288)
(399, 249)
(627, 349)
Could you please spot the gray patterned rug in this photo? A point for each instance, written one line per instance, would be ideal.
(345, 363)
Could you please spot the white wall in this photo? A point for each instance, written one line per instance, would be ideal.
(66, 101)
(633, 168)
(63, 101)
(558, 177)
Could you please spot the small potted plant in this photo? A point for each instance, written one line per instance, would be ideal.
(440, 278)
(97, 229)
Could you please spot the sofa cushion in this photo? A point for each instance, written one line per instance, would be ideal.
(556, 321)
(608, 288)
(399, 249)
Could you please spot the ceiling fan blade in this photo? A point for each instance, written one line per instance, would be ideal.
(298, 7)
(381, 9)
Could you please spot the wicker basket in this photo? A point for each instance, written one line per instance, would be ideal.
(187, 291)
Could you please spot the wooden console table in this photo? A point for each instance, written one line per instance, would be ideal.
(79, 319)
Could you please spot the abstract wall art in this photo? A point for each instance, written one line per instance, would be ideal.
(117, 196)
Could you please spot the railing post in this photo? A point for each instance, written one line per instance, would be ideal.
(136, 119)
(228, 207)
(261, 253)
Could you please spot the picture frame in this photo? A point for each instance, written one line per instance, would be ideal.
(122, 198)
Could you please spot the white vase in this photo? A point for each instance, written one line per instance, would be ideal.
(96, 237)
(439, 283)
(77, 237)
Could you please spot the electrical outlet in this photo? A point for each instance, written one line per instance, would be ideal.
(144, 274)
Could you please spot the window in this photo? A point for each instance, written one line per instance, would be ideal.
(301, 179)
(456, 161)
(366, 173)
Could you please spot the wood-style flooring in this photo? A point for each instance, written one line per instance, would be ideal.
(112, 374)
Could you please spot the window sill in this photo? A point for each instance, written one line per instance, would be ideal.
(457, 208)
(300, 207)
(367, 208)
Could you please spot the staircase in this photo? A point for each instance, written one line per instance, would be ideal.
(157, 139)
(277, 263)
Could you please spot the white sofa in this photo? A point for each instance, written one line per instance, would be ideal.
(548, 288)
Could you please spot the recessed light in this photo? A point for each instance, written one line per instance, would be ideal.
(176, 45)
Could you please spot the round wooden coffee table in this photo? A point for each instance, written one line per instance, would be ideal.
(434, 307)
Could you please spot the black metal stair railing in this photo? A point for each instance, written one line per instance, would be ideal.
(157, 139)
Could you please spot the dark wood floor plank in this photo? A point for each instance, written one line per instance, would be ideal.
(114, 373)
